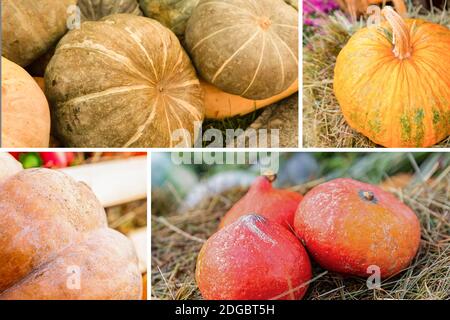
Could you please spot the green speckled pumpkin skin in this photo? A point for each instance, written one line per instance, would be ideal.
(30, 27)
(174, 14)
(93, 10)
(245, 48)
(396, 103)
(123, 81)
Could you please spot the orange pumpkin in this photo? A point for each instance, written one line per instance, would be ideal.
(348, 226)
(392, 82)
(55, 242)
(25, 111)
(220, 105)
(253, 259)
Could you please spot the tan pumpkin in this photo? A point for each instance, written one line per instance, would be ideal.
(124, 81)
(30, 27)
(92, 10)
(173, 14)
(25, 111)
(395, 90)
(246, 48)
(220, 105)
(55, 242)
(9, 166)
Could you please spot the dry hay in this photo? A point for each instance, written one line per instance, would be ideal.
(177, 238)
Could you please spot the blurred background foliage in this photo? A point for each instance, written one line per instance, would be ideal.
(189, 184)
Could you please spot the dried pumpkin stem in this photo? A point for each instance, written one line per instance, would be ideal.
(270, 175)
(400, 33)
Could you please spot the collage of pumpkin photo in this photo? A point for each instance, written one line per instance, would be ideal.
(226, 150)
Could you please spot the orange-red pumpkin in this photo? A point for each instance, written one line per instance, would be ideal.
(253, 259)
(348, 226)
(393, 84)
(274, 204)
(25, 111)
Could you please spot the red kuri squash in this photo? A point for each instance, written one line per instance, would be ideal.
(348, 226)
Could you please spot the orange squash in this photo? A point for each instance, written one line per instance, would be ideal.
(25, 111)
(348, 226)
(253, 259)
(220, 105)
(262, 198)
(55, 242)
(392, 82)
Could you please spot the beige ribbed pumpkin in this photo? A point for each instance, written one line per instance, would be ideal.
(92, 10)
(246, 48)
(123, 81)
(31, 27)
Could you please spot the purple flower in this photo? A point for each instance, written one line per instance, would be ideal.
(318, 6)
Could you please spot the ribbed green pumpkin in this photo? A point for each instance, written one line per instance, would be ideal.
(31, 27)
(123, 81)
(246, 48)
(174, 14)
(93, 10)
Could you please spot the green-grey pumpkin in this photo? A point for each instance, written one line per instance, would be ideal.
(174, 14)
(123, 81)
(245, 47)
(31, 27)
(93, 10)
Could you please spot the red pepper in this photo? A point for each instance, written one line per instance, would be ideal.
(57, 159)
(44, 159)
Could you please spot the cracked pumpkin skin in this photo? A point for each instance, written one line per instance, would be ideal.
(396, 94)
(274, 204)
(347, 226)
(253, 259)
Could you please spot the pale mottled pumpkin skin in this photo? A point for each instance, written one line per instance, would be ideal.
(50, 223)
(25, 111)
(124, 81)
(246, 48)
(393, 102)
(9, 166)
(30, 27)
(93, 10)
(174, 14)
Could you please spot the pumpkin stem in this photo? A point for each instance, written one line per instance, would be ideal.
(400, 33)
(270, 175)
(368, 196)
